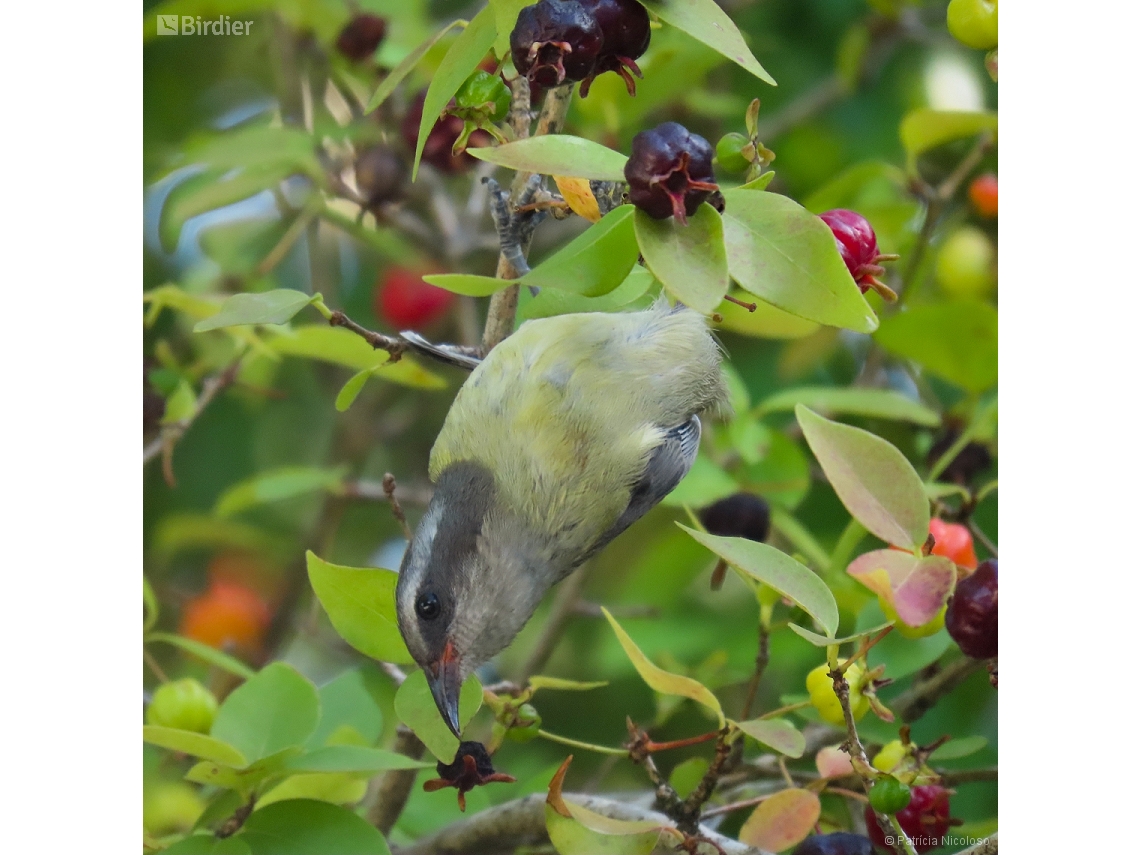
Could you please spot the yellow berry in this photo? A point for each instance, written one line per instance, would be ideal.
(822, 691)
(889, 756)
(905, 630)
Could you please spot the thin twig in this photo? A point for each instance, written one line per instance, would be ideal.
(389, 485)
(394, 346)
(912, 704)
(981, 535)
(761, 664)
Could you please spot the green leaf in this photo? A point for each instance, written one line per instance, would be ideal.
(783, 476)
(702, 485)
(782, 820)
(150, 606)
(208, 844)
(244, 780)
(872, 478)
(468, 284)
(396, 75)
(195, 744)
(706, 22)
(776, 733)
(957, 748)
(774, 568)
(275, 485)
(872, 403)
(761, 182)
(661, 680)
(341, 347)
(332, 787)
(180, 404)
(177, 532)
(766, 322)
(826, 640)
(540, 682)
(557, 154)
(351, 389)
(273, 710)
(594, 263)
(361, 603)
(416, 708)
(688, 260)
(309, 827)
(786, 256)
(460, 60)
(354, 699)
(268, 307)
(924, 129)
(352, 758)
(506, 15)
(958, 341)
(205, 652)
(687, 774)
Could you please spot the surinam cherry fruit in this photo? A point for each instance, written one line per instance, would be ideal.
(890, 756)
(973, 22)
(730, 152)
(836, 843)
(555, 41)
(471, 768)
(185, 704)
(859, 249)
(670, 172)
(739, 515)
(972, 616)
(954, 541)
(925, 820)
(625, 37)
(228, 613)
(526, 725)
(984, 194)
(966, 264)
(405, 301)
(441, 138)
(821, 688)
(889, 795)
(361, 36)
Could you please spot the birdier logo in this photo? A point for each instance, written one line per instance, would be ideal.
(193, 25)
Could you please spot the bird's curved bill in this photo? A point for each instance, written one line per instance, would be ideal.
(445, 680)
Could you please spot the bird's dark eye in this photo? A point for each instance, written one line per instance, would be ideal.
(427, 606)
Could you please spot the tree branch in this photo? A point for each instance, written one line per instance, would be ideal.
(912, 704)
(391, 791)
(522, 822)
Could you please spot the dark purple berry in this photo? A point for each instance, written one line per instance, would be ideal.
(859, 248)
(836, 843)
(972, 615)
(670, 172)
(625, 37)
(471, 768)
(554, 41)
(741, 515)
(380, 174)
(361, 36)
(441, 138)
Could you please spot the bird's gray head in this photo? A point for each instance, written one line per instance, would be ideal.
(470, 579)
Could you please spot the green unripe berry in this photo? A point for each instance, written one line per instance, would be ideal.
(185, 704)
(171, 806)
(482, 88)
(973, 22)
(728, 153)
(528, 723)
(889, 795)
(822, 691)
(966, 265)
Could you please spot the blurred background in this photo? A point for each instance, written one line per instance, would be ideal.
(242, 133)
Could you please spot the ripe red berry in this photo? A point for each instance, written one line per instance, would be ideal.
(625, 37)
(670, 172)
(361, 36)
(972, 616)
(740, 515)
(954, 541)
(836, 843)
(404, 301)
(859, 249)
(983, 193)
(227, 613)
(925, 820)
(554, 41)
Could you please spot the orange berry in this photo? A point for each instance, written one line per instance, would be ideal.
(983, 193)
(954, 541)
(226, 614)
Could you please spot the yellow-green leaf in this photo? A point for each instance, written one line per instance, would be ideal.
(194, 744)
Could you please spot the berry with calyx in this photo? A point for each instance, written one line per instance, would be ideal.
(380, 175)
(973, 22)
(526, 725)
(625, 37)
(822, 691)
(441, 138)
(984, 194)
(966, 264)
(554, 41)
(670, 172)
(361, 36)
(972, 617)
(740, 515)
(471, 768)
(836, 843)
(925, 820)
(485, 92)
(185, 704)
(890, 756)
(859, 249)
(729, 152)
(405, 301)
(889, 795)
(954, 541)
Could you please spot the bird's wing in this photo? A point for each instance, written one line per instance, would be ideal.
(668, 464)
(448, 353)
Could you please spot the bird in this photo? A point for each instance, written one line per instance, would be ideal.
(564, 435)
